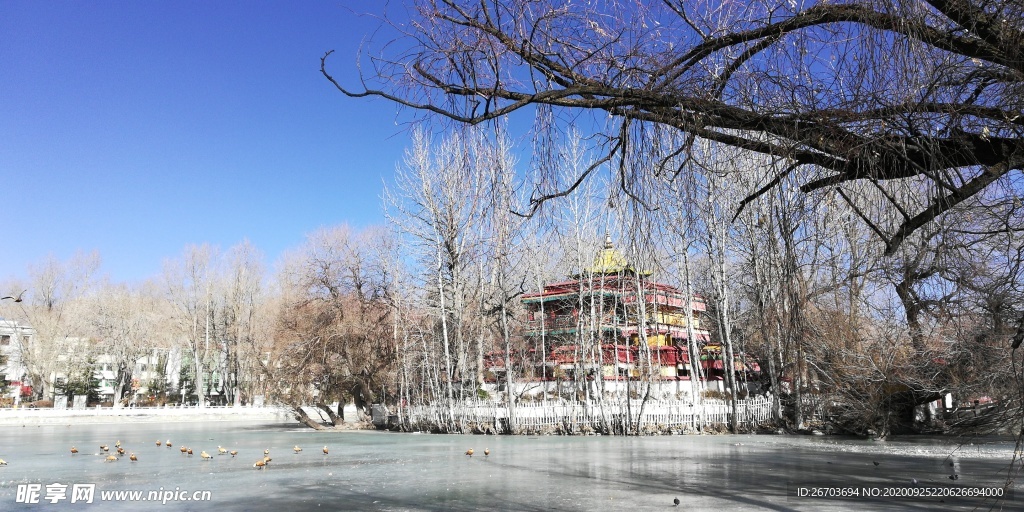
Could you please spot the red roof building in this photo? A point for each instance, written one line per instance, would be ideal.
(615, 318)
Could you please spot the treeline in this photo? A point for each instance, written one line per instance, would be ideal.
(407, 313)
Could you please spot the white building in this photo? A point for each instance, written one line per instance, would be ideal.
(13, 373)
(158, 364)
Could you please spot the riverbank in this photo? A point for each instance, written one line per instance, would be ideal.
(96, 415)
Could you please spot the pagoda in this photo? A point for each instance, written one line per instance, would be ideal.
(613, 319)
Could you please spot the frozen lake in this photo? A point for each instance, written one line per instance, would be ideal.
(389, 471)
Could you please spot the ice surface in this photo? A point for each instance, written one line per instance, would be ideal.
(390, 471)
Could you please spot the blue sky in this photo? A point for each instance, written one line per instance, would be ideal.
(136, 128)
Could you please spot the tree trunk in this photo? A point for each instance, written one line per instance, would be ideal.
(335, 419)
(118, 393)
(304, 418)
(363, 398)
(199, 384)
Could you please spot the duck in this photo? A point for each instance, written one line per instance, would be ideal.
(325, 450)
(487, 451)
(133, 458)
(469, 452)
(296, 449)
(3, 462)
(234, 452)
(260, 464)
(183, 449)
(74, 450)
(158, 443)
(104, 448)
(205, 456)
(190, 451)
(120, 451)
(111, 458)
(168, 443)
(117, 444)
(221, 450)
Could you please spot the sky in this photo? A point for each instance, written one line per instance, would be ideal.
(137, 128)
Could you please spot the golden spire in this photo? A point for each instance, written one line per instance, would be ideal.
(609, 260)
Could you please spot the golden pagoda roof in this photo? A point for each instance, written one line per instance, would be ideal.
(610, 261)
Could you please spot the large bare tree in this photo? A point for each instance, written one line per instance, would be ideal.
(336, 337)
(894, 94)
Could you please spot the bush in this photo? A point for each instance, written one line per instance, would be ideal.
(715, 394)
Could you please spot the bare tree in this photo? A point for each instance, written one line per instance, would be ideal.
(189, 285)
(241, 291)
(336, 338)
(54, 307)
(437, 203)
(123, 321)
(877, 92)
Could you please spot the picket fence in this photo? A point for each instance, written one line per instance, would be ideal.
(613, 417)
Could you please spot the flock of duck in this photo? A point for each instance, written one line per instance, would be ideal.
(259, 464)
(119, 452)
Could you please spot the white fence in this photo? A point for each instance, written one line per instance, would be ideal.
(633, 416)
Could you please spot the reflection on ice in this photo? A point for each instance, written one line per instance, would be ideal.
(386, 471)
